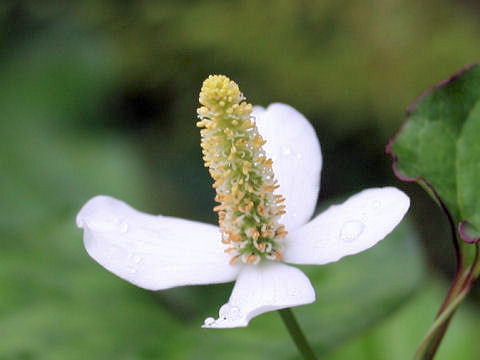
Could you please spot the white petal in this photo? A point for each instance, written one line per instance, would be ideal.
(153, 252)
(297, 160)
(260, 288)
(349, 228)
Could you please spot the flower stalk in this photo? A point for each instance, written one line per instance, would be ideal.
(296, 334)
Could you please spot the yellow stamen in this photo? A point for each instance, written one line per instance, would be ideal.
(248, 209)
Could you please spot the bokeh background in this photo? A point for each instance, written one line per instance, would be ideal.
(99, 97)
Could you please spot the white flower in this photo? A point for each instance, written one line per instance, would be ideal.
(159, 252)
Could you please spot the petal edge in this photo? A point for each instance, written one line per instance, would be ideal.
(153, 252)
(293, 145)
(354, 226)
(262, 288)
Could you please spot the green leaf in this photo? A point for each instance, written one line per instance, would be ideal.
(438, 145)
(468, 167)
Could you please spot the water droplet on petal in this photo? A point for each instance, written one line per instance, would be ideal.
(351, 230)
(286, 150)
(131, 270)
(112, 252)
(209, 321)
(134, 258)
(123, 227)
(224, 311)
(234, 313)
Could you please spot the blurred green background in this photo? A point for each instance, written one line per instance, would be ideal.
(99, 97)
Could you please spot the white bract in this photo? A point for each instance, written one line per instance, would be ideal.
(158, 252)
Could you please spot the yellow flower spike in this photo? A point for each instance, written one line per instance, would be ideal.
(244, 180)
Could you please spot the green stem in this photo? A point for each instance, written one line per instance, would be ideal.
(424, 351)
(296, 334)
(461, 286)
